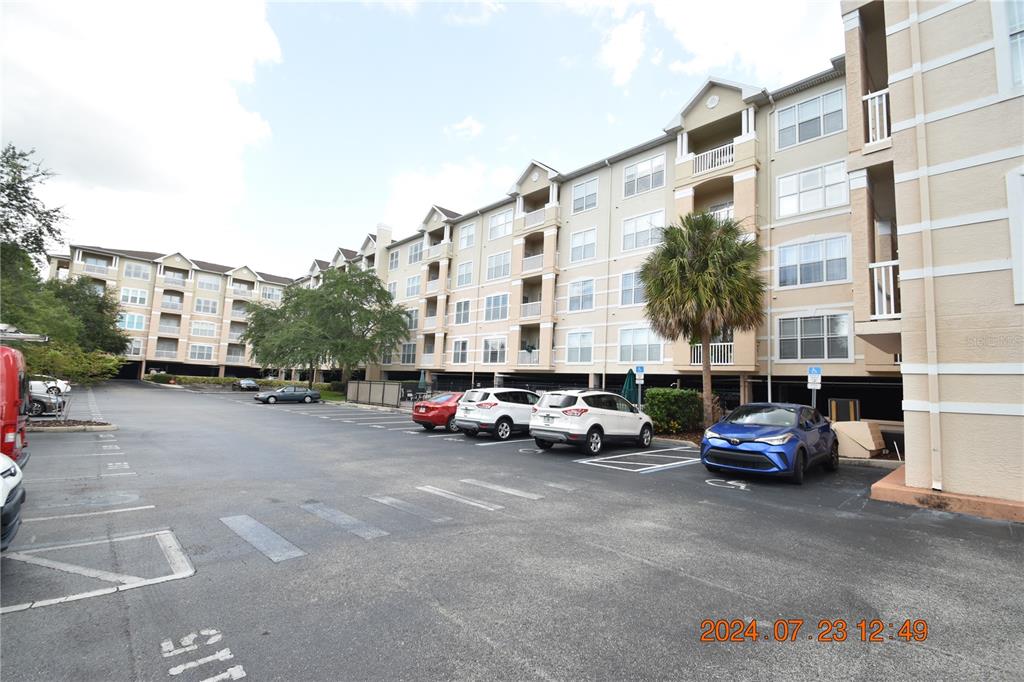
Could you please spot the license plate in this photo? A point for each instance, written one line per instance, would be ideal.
(421, 409)
(548, 419)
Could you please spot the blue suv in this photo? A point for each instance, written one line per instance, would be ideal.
(783, 439)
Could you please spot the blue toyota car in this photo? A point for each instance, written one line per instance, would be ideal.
(781, 439)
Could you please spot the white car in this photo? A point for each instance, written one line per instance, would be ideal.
(501, 411)
(588, 419)
(12, 494)
(42, 383)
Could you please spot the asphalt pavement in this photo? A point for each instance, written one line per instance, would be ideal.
(212, 538)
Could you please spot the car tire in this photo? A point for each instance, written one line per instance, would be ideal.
(832, 461)
(469, 434)
(427, 427)
(451, 426)
(646, 437)
(308, 399)
(503, 429)
(543, 444)
(797, 476)
(36, 408)
(271, 400)
(53, 390)
(594, 443)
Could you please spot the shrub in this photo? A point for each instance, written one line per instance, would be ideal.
(674, 410)
(160, 378)
(337, 386)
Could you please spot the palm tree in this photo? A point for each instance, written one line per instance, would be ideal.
(702, 280)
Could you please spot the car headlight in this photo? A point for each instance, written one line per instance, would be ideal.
(10, 471)
(710, 434)
(776, 440)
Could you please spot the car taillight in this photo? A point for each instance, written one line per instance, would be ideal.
(575, 411)
(7, 444)
(486, 406)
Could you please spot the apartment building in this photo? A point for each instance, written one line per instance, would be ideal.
(183, 316)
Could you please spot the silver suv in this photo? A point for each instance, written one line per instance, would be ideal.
(501, 411)
(588, 419)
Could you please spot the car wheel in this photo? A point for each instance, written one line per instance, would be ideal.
(469, 434)
(308, 399)
(832, 463)
(645, 437)
(427, 427)
(594, 442)
(271, 400)
(797, 477)
(451, 425)
(543, 444)
(53, 390)
(503, 429)
(36, 408)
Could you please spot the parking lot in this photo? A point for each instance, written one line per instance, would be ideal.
(212, 538)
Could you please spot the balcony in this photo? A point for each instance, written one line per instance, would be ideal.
(719, 157)
(531, 309)
(533, 262)
(235, 336)
(721, 354)
(241, 292)
(876, 116)
(433, 285)
(166, 354)
(885, 290)
(239, 314)
(442, 250)
(724, 213)
(235, 359)
(98, 269)
(172, 281)
(529, 357)
(427, 360)
(430, 322)
(533, 218)
(170, 305)
(173, 330)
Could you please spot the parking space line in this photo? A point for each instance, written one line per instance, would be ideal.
(504, 442)
(438, 435)
(560, 486)
(407, 429)
(78, 516)
(272, 545)
(105, 576)
(343, 520)
(662, 467)
(410, 508)
(440, 492)
(81, 478)
(175, 555)
(502, 489)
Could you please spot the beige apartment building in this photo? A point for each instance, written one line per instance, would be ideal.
(183, 316)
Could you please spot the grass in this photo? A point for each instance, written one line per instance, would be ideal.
(332, 395)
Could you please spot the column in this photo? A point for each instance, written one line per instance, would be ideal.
(220, 370)
(547, 297)
(862, 227)
(550, 249)
(513, 346)
(684, 201)
(518, 249)
(547, 335)
(552, 194)
(744, 198)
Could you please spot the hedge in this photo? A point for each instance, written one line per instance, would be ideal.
(337, 386)
(227, 381)
(674, 410)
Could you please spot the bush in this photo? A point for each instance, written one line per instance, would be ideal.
(186, 380)
(160, 378)
(674, 410)
(337, 386)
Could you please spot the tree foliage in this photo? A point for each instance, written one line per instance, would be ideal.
(97, 314)
(70, 362)
(24, 218)
(349, 320)
(702, 280)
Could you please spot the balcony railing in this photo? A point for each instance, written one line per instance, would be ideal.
(885, 290)
(238, 314)
(713, 158)
(529, 357)
(723, 213)
(531, 309)
(441, 250)
(876, 115)
(433, 285)
(97, 269)
(241, 292)
(171, 280)
(170, 305)
(533, 262)
(430, 322)
(169, 329)
(166, 354)
(235, 336)
(428, 359)
(235, 359)
(534, 218)
(721, 354)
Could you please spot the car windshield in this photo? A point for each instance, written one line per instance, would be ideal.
(762, 415)
(558, 400)
(443, 398)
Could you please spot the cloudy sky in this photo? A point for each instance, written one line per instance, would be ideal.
(269, 134)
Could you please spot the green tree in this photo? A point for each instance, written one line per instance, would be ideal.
(96, 312)
(27, 304)
(24, 218)
(703, 279)
(70, 362)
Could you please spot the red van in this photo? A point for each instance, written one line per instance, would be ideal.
(14, 402)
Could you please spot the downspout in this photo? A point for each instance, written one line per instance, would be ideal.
(771, 254)
(607, 283)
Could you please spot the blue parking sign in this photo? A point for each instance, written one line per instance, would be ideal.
(814, 370)
(639, 369)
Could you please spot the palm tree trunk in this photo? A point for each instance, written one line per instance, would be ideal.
(705, 370)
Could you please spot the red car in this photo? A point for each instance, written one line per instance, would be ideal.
(438, 410)
(14, 404)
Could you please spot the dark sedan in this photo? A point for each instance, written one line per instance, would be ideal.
(245, 385)
(288, 394)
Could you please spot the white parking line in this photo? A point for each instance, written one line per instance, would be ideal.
(80, 478)
(272, 545)
(560, 486)
(504, 442)
(105, 576)
(409, 508)
(438, 435)
(502, 489)
(618, 461)
(459, 498)
(349, 523)
(78, 516)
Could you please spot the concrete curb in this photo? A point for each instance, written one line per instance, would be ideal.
(153, 383)
(376, 408)
(71, 429)
(889, 464)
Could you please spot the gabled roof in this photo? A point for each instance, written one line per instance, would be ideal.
(447, 213)
(369, 241)
(194, 264)
(526, 171)
(160, 257)
(141, 255)
(322, 264)
(746, 91)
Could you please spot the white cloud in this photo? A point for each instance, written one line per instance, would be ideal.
(482, 13)
(466, 129)
(568, 62)
(623, 47)
(134, 106)
(657, 56)
(610, 117)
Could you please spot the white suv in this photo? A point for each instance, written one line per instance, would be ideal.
(501, 411)
(588, 419)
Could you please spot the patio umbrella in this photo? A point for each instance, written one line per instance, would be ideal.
(422, 386)
(629, 391)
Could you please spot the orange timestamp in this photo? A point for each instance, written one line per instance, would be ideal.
(827, 630)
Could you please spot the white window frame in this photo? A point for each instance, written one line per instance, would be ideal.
(133, 296)
(412, 317)
(824, 316)
(410, 289)
(584, 194)
(578, 295)
(503, 270)
(415, 252)
(635, 286)
(456, 352)
(214, 304)
(393, 290)
(270, 293)
(208, 282)
(202, 324)
(800, 246)
(500, 225)
(501, 351)
(386, 357)
(144, 269)
(636, 168)
(467, 236)
(1015, 206)
(411, 355)
(647, 346)
(587, 241)
(796, 180)
(467, 308)
(133, 348)
(574, 341)
(650, 230)
(123, 319)
(196, 346)
(493, 311)
(795, 107)
(468, 267)
(394, 260)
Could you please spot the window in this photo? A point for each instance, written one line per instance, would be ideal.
(393, 258)
(632, 289)
(499, 265)
(1015, 22)
(813, 189)
(200, 328)
(818, 337)
(271, 293)
(496, 307)
(131, 321)
(413, 317)
(579, 347)
(464, 274)
(408, 354)
(501, 225)
(393, 289)
(494, 351)
(206, 306)
(412, 286)
(134, 347)
(639, 345)
(584, 245)
(467, 234)
(460, 352)
(200, 351)
(810, 119)
(385, 357)
(208, 282)
(643, 230)
(137, 270)
(644, 176)
(584, 195)
(581, 295)
(415, 252)
(813, 262)
(462, 312)
(134, 296)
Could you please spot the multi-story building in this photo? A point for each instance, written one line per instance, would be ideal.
(183, 316)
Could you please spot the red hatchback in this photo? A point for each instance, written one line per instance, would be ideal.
(438, 410)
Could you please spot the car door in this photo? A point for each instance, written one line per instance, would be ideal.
(518, 408)
(809, 433)
(629, 416)
(288, 394)
(603, 409)
(823, 428)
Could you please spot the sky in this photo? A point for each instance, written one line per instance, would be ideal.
(271, 134)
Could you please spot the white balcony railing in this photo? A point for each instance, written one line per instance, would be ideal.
(97, 269)
(440, 250)
(174, 281)
(713, 158)
(170, 305)
(534, 218)
(241, 292)
(235, 359)
(428, 359)
(531, 309)
(433, 285)
(876, 115)
(238, 314)
(235, 336)
(885, 290)
(533, 262)
(169, 329)
(726, 213)
(166, 354)
(430, 322)
(529, 357)
(721, 354)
